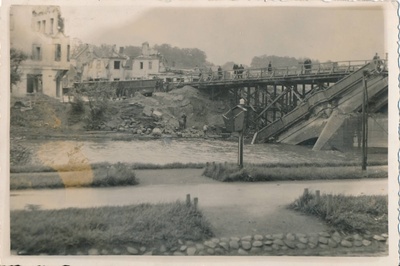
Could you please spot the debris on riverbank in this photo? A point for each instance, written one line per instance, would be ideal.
(139, 115)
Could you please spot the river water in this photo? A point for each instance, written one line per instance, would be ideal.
(232, 208)
(167, 150)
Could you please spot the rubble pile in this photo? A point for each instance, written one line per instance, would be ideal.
(160, 114)
(139, 115)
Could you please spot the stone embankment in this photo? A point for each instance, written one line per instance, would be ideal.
(322, 243)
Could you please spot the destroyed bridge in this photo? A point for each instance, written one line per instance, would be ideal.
(298, 104)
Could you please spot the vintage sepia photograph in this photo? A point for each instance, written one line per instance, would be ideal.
(223, 129)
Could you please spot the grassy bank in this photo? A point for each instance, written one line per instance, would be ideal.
(80, 167)
(68, 230)
(30, 168)
(350, 214)
(77, 176)
(255, 173)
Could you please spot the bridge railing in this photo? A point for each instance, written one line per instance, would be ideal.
(340, 67)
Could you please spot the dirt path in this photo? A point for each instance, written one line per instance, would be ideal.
(232, 208)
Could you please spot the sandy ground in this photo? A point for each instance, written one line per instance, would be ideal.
(233, 209)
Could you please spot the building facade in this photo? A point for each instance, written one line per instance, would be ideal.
(102, 63)
(105, 63)
(39, 33)
(149, 63)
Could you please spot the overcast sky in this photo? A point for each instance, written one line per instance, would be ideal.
(236, 34)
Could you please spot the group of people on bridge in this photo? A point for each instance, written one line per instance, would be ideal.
(238, 71)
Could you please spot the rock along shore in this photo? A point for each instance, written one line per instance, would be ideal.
(322, 244)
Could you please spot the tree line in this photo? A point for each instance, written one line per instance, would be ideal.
(178, 58)
(277, 61)
(174, 57)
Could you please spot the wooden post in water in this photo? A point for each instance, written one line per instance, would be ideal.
(195, 202)
(188, 199)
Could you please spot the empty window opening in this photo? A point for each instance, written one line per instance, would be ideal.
(11, 22)
(34, 83)
(117, 64)
(51, 25)
(58, 53)
(36, 53)
(68, 52)
(141, 65)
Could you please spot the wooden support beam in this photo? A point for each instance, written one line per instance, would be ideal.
(286, 99)
(236, 96)
(297, 96)
(279, 98)
(248, 96)
(274, 109)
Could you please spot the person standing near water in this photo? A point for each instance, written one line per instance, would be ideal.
(183, 120)
(205, 129)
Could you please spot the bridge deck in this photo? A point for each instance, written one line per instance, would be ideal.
(317, 73)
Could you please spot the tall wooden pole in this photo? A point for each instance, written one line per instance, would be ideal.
(240, 150)
(364, 125)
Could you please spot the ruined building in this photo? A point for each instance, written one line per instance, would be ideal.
(39, 33)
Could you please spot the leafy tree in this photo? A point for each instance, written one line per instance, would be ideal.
(182, 57)
(60, 23)
(98, 96)
(16, 58)
(277, 61)
(132, 51)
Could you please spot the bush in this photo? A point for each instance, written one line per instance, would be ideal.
(100, 175)
(255, 173)
(78, 105)
(119, 174)
(347, 213)
(19, 154)
(69, 230)
(98, 96)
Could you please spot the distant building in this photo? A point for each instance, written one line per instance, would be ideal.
(148, 63)
(100, 63)
(39, 32)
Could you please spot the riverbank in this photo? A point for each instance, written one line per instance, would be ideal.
(106, 175)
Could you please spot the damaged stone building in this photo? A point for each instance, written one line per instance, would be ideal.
(39, 33)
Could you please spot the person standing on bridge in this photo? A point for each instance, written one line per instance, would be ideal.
(269, 67)
(235, 71)
(240, 71)
(307, 66)
(219, 72)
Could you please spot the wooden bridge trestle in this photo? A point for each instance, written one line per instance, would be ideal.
(271, 95)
